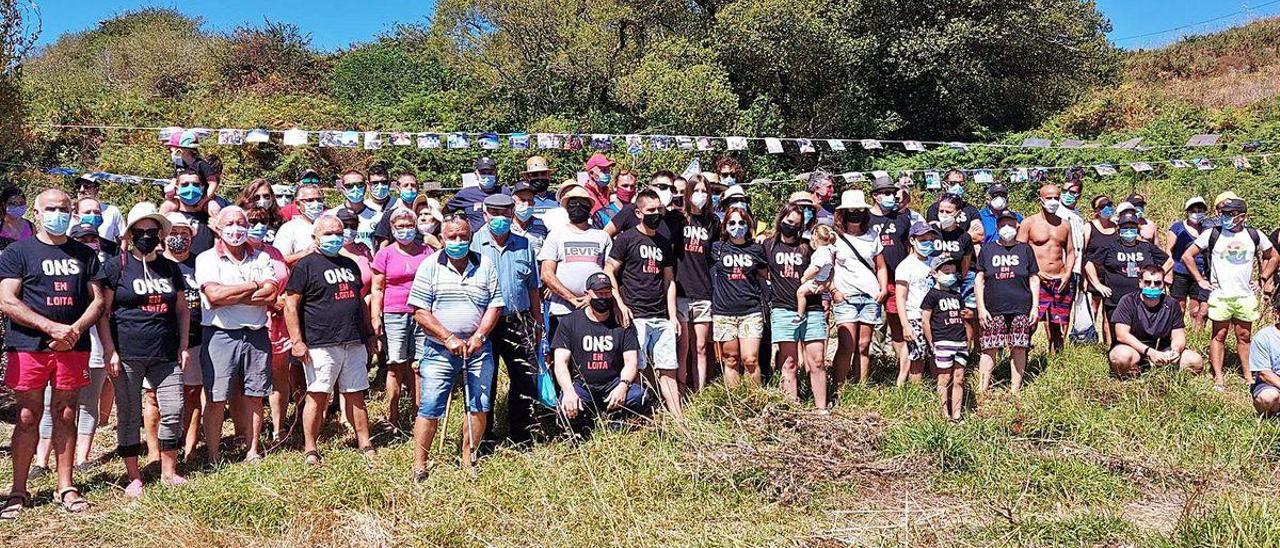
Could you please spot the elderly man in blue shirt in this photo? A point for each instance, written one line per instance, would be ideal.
(516, 335)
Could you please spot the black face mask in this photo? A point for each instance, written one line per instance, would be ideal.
(859, 216)
(579, 213)
(146, 243)
(789, 230)
(602, 305)
(540, 185)
(651, 220)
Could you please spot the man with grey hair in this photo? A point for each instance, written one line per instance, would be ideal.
(331, 335)
(823, 188)
(237, 284)
(51, 291)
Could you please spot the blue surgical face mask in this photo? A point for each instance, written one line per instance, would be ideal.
(16, 211)
(92, 219)
(956, 190)
(1196, 217)
(407, 196)
(1228, 223)
(190, 194)
(808, 216)
(1108, 212)
(925, 249)
(381, 191)
(313, 209)
(1140, 211)
(457, 250)
(887, 201)
(715, 201)
(500, 226)
(738, 231)
(487, 182)
(604, 179)
(330, 244)
(1128, 234)
(728, 181)
(55, 222)
(348, 235)
(524, 212)
(946, 280)
(405, 235)
(1069, 198)
(1152, 292)
(355, 194)
(257, 232)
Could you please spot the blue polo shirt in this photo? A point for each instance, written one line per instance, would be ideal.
(517, 267)
(989, 223)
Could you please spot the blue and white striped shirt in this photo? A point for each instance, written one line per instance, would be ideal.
(457, 299)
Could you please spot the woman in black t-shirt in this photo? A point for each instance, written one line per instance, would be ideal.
(788, 255)
(738, 272)
(693, 281)
(148, 315)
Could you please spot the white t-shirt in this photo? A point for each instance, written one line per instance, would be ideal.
(368, 220)
(294, 235)
(919, 279)
(578, 254)
(850, 275)
(1233, 255)
(112, 223)
(1077, 235)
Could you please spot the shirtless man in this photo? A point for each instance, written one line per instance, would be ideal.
(1050, 237)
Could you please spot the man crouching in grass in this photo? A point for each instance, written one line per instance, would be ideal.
(1149, 329)
(1264, 362)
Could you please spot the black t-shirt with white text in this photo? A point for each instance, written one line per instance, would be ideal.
(331, 309)
(967, 214)
(893, 230)
(1120, 266)
(144, 311)
(640, 279)
(54, 283)
(1007, 273)
(735, 280)
(945, 320)
(787, 264)
(595, 348)
(693, 259)
(188, 268)
(956, 245)
(626, 219)
(1151, 326)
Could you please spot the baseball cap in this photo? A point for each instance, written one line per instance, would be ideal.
(1128, 216)
(1233, 205)
(81, 230)
(598, 160)
(485, 162)
(598, 282)
(500, 201)
(521, 186)
(1194, 200)
(998, 189)
(1006, 214)
(1228, 195)
(1137, 200)
(178, 220)
(938, 261)
(920, 228)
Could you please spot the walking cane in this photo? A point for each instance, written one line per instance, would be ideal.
(443, 430)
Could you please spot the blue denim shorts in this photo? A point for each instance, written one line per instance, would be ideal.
(438, 367)
(787, 326)
(858, 309)
(404, 337)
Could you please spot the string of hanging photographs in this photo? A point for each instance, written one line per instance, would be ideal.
(606, 142)
(932, 176)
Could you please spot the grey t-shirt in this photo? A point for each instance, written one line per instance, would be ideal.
(578, 254)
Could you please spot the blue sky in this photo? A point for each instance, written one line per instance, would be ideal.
(335, 24)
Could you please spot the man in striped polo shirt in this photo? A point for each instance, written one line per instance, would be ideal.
(457, 301)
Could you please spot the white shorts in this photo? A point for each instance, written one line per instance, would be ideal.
(344, 365)
(657, 337)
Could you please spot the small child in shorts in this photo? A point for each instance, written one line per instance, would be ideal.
(818, 274)
(943, 321)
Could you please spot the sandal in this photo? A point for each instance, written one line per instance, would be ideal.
(77, 506)
(420, 476)
(38, 472)
(313, 458)
(11, 508)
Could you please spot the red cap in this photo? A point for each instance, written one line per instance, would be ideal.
(598, 160)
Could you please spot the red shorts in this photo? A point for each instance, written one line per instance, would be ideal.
(891, 302)
(1056, 297)
(34, 370)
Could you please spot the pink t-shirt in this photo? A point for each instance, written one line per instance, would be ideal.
(399, 268)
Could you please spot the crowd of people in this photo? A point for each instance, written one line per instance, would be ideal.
(604, 298)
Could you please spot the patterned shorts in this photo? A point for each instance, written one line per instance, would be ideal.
(1056, 297)
(950, 353)
(917, 346)
(1006, 330)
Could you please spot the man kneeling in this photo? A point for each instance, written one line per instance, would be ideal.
(1264, 362)
(604, 356)
(1149, 329)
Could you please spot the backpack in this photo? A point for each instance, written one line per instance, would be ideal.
(1214, 233)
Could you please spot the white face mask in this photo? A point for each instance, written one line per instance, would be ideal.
(997, 203)
(235, 235)
(698, 199)
(665, 196)
(263, 203)
(947, 220)
(1050, 205)
(426, 228)
(1008, 233)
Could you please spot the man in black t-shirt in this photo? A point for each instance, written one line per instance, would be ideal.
(965, 217)
(51, 291)
(893, 225)
(1150, 330)
(329, 328)
(643, 263)
(604, 358)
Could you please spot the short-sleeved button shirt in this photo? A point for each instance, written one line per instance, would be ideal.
(217, 266)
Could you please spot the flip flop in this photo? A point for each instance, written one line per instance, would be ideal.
(309, 455)
(77, 506)
(134, 489)
(11, 511)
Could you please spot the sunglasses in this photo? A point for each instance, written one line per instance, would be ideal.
(736, 223)
(140, 232)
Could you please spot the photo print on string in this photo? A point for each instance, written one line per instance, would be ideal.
(258, 136)
(401, 139)
(295, 137)
(932, 180)
(458, 140)
(372, 140)
(230, 137)
(736, 143)
(519, 141)
(635, 145)
(428, 140)
(489, 141)
(983, 176)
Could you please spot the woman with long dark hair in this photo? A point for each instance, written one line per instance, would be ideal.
(259, 194)
(693, 281)
(789, 255)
